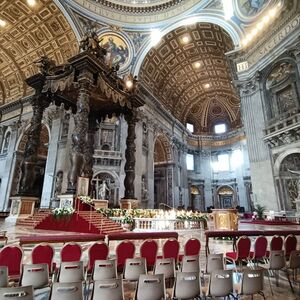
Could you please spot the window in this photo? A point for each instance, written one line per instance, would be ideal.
(190, 127)
(190, 162)
(6, 143)
(220, 128)
(222, 164)
(237, 158)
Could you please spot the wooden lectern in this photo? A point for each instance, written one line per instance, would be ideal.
(226, 219)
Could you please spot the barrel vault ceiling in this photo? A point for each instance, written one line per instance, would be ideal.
(188, 72)
(29, 33)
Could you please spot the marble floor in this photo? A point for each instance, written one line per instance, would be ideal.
(216, 246)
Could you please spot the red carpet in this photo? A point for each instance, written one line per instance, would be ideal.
(267, 222)
(75, 224)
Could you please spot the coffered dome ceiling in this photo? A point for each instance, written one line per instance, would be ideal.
(29, 33)
(188, 72)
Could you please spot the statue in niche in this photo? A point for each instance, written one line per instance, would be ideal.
(294, 190)
(103, 190)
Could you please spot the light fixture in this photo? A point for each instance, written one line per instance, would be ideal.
(272, 12)
(260, 26)
(207, 85)
(197, 64)
(2, 23)
(185, 39)
(31, 2)
(155, 37)
(129, 84)
(266, 19)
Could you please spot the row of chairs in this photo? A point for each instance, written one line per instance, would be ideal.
(260, 253)
(106, 284)
(282, 256)
(12, 255)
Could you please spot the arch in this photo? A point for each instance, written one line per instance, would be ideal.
(111, 173)
(280, 159)
(112, 183)
(162, 149)
(216, 18)
(227, 197)
(45, 133)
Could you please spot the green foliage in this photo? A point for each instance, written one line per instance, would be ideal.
(259, 209)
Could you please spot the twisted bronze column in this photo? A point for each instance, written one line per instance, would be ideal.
(130, 157)
(79, 139)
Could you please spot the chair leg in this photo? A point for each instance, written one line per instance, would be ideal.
(288, 278)
(270, 283)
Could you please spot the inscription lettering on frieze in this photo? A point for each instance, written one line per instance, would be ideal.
(275, 40)
(243, 66)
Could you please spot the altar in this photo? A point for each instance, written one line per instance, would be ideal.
(225, 219)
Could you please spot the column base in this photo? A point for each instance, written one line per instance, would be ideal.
(129, 203)
(100, 203)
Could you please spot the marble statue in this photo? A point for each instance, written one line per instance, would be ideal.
(103, 190)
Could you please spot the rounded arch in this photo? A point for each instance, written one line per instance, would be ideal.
(225, 188)
(113, 174)
(216, 18)
(22, 140)
(162, 149)
(281, 157)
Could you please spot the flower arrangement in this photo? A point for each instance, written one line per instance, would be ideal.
(62, 212)
(86, 199)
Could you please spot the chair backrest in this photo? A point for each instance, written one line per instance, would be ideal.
(243, 246)
(165, 266)
(260, 247)
(289, 244)
(67, 291)
(134, 267)
(277, 260)
(192, 247)
(11, 257)
(70, 252)
(220, 283)
(36, 275)
(71, 272)
(111, 289)
(276, 243)
(43, 254)
(214, 262)
(149, 250)
(125, 249)
(187, 285)
(252, 282)
(17, 293)
(151, 287)
(294, 261)
(171, 249)
(3, 276)
(98, 251)
(190, 264)
(105, 269)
